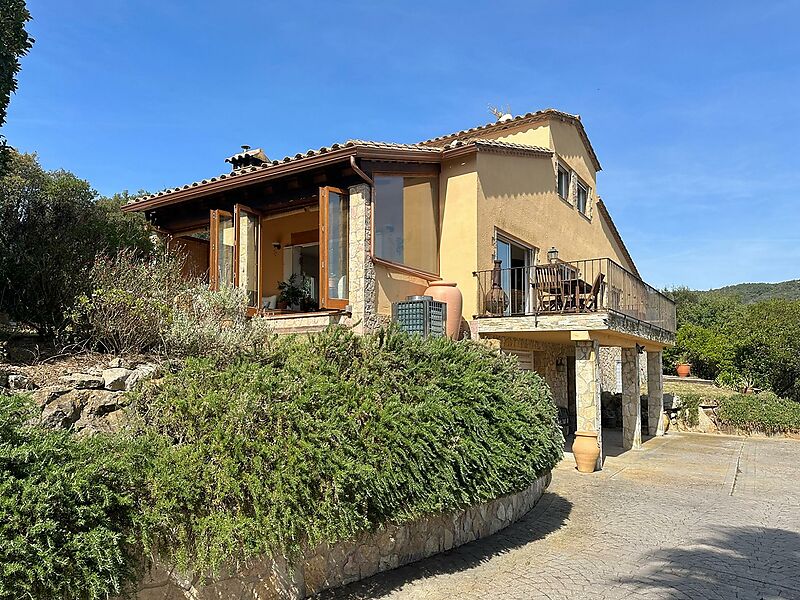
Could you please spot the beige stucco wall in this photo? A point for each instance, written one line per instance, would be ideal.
(394, 286)
(490, 192)
(458, 250)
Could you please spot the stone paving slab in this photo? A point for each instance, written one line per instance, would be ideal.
(689, 516)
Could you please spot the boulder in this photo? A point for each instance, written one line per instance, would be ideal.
(83, 381)
(143, 373)
(62, 412)
(18, 381)
(115, 363)
(114, 379)
(109, 423)
(44, 396)
(100, 402)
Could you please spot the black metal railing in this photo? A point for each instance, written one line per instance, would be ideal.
(580, 286)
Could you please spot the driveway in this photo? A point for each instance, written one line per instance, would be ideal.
(688, 516)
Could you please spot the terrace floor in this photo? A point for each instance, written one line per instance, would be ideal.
(688, 516)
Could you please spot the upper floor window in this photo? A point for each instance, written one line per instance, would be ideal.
(563, 182)
(582, 199)
(406, 219)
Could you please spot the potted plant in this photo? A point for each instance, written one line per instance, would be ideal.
(295, 294)
(683, 368)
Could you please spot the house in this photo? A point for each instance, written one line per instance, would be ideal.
(508, 210)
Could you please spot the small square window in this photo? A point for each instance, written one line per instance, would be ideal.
(583, 197)
(563, 182)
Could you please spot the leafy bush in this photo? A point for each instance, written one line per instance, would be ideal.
(131, 304)
(328, 437)
(688, 411)
(763, 412)
(51, 229)
(67, 509)
(215, 324)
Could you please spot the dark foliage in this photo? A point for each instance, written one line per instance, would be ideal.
(52, 227)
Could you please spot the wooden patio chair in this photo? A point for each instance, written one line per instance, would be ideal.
(550, 287)
(592, 300)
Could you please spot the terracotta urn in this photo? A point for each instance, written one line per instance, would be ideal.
(683, 369)
(666, 421)
(447, 292)
(586, 451)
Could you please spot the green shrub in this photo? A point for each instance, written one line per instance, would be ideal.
(131, 303)
(763, 412)
(333, 435)
(53, 225)
(215, 324)
(688, 412)
(67, 509)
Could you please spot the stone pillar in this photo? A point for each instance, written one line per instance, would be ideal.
(631, 402)
(587, 390)
(361, 270)
(655, 393)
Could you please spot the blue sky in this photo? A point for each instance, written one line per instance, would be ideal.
(691, 107)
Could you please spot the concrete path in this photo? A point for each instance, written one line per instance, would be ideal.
(689, 516)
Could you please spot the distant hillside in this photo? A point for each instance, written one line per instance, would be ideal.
(755, 292)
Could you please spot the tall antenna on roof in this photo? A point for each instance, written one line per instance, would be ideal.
(501, 114)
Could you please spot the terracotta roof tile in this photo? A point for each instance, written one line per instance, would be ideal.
(424, 148)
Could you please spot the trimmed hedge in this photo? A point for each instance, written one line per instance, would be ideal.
(335, 435)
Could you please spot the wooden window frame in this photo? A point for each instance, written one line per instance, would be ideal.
(213, 275)
(324, 259)
(438, 225)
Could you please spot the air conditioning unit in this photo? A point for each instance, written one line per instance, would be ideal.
(421, 315)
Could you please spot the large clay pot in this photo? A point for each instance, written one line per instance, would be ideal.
(447, 292)
(665, 420)
(586, 451)
(683, 369)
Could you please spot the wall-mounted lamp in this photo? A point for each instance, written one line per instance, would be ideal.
(561, 364)
(276, 245)
(552, 254)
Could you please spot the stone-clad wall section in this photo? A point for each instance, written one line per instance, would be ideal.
(326, 566)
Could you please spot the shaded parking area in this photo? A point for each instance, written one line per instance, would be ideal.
(688, 516)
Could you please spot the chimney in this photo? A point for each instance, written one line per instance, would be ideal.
(248, 158)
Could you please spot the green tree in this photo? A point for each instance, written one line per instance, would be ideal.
(51, 229)
(768, 345)
(14, 44)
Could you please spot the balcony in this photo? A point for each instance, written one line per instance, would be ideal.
(596, 287)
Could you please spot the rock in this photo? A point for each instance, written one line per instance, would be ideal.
(115, 363)
(83, 381)
(44, 396)
(143, 373)
(61, 412)
(109, 423)
(101, 402)
(18, 381)
(115, 379)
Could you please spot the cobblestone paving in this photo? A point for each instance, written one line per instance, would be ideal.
(689, 516)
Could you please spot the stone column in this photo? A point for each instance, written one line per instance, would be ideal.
(587, 390)
(361, 270)
(655, 393)
(631, 402)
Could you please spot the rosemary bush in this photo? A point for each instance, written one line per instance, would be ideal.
(330, 436)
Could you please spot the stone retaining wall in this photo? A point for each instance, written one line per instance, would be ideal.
(325, 566)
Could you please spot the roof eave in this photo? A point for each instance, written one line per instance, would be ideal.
(275, 171)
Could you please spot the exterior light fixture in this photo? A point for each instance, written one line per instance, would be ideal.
(552, 254)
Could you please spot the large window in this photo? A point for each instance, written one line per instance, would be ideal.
(334, 227)
(582, 197)
(563, 182)
(234, 251)
(407, 221)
